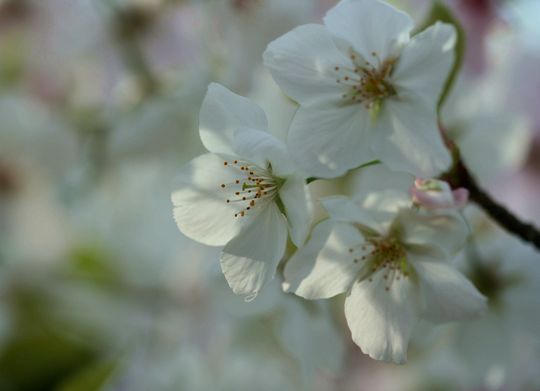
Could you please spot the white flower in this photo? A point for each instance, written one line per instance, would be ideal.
(366, 90)
(391, 260)
(237, 194)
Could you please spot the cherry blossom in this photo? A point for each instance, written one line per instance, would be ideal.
(366, 89)
(244, 194)
(392, 260)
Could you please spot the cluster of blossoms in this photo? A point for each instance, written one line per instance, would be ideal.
(366, 91)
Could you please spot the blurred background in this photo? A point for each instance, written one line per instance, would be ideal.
(99, 290)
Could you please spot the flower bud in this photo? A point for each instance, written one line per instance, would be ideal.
(436, 194)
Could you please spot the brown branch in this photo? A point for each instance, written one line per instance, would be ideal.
(461, 177)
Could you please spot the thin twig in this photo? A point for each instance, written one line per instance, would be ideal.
(461, 177)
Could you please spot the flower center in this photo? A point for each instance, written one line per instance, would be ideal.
(252, 188)
(368, 84)
(387, 254)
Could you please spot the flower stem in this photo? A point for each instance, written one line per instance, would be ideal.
(506, 219)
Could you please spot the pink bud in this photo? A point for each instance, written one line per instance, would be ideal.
(436, 194)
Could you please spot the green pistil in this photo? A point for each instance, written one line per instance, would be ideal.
(278, 182)
(375, 110)
(246, 186)
(376, 105)
(404, 266)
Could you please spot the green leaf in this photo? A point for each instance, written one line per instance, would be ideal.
(93, 264)
(38, 360)
(91, 378)
(440, 12)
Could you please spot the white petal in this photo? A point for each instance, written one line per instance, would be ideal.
(371, 26)
(381, 322)
(325, 267)
(407, 139)
(200, 208)
(425, 62)
(440, 235)
(341, 208)
(327, 141)
(222, 112)
(381, 193)
(251, 259)
(298, 208)
(303, 63)
(378, 180)
(262, 148)
(447, 294)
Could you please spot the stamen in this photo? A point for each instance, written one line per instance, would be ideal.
(254, 187)
(369, 83)
(386, 255)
